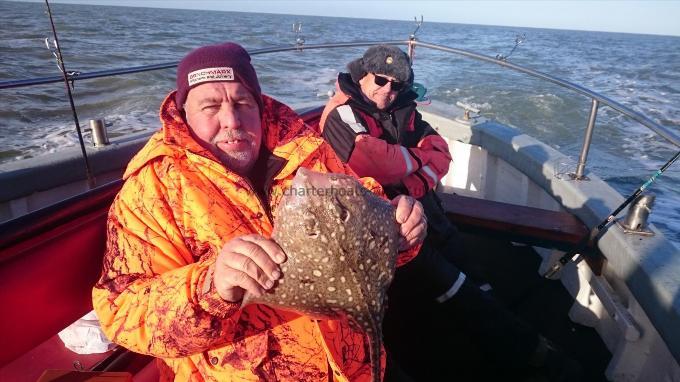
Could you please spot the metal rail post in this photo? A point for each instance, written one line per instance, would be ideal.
(581, 166)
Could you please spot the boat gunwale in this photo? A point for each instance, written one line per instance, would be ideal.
(645, 264)
(659, 302)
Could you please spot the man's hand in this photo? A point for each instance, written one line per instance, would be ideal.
(247, 263)
(412, 221)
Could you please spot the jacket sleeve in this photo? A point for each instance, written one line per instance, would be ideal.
(365, 154)
(153, 296)
(418, 168)
(434, 151)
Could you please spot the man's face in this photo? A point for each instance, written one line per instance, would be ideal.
(382, 96)
(224, 117)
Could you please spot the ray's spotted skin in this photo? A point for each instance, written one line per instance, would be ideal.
(341, 241)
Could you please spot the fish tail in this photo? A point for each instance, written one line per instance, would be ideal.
(374, 354)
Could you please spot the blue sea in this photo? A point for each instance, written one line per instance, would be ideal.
(639, 71)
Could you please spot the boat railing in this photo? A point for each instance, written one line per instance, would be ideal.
(597, 99)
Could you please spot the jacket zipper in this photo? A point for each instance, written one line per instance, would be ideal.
(263, 203)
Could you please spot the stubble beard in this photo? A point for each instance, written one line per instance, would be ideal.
(239, 161)
(386, 101)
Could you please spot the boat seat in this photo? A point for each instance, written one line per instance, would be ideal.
(533, 226)
(53, 355)
(49, 261)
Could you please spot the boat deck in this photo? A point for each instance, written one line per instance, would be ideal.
(512, 271)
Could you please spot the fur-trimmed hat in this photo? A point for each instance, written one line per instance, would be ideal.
(215, 63)
(387, 60)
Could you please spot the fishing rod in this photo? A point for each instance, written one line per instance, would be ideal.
(56, 50)
(575, 254)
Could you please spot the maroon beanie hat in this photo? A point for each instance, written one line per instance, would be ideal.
(215, 63)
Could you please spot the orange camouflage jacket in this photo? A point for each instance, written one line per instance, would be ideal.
(177, 208)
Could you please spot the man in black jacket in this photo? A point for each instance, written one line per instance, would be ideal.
(373, 125)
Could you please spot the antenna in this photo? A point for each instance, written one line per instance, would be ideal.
(418, 24)
(299, 39)
(412, 38)
(519, 39)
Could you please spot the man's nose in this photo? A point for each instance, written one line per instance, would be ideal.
(388, 87)
(229, 117)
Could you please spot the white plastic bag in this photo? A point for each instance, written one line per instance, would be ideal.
(85, 336)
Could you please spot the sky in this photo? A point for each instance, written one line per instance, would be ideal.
(646, 17)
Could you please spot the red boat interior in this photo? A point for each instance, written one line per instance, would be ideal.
(50, 259)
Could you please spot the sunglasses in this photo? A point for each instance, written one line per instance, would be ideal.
(382, 81)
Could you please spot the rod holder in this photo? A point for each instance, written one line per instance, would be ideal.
(467, 118)
(638, 214)
(100, 137)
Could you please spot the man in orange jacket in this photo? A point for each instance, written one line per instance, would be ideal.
(189, 234)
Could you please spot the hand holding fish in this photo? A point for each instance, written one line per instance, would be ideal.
(412, 221)
(247, 263)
